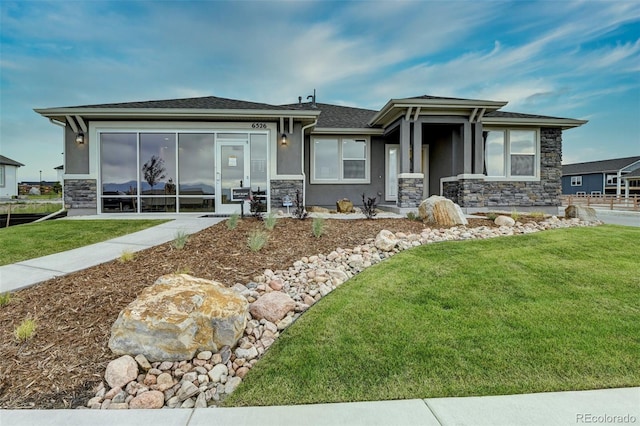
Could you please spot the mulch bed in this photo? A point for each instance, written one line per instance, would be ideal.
(65, 359)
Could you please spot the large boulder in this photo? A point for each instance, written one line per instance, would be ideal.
(588, 214)
(178, 316)
(344, 206)
(441, 211)
(272, 306)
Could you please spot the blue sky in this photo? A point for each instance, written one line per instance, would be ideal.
(576, 59)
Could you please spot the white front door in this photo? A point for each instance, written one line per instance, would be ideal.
(232, 171)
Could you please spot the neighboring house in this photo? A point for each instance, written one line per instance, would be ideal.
(59, 172)
(605, 177)
(8, 180)
(192, 155)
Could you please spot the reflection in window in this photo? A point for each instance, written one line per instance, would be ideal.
(511, 153)
(523, 152)
(340, 160)
(157, 163)
(494, 153)
(196, 164)
(259, 166)
(119, 163)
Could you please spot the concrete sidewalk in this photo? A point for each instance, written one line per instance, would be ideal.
(602, 407)
(29, 272)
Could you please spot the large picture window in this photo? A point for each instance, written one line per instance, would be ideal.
(173, 171)
(511, 154)
(340, 160)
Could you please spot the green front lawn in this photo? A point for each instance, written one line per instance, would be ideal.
(552, 311)
(28, 241)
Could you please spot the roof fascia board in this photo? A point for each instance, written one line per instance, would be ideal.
(173, 112)
(564, 123)
(451, 104)
(346, 131)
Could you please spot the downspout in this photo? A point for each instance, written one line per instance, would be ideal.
(64, 126)
(304, 176)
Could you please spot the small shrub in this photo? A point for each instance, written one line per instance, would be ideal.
(318, 227)
(126, 256)
(492, 216)
(25, 330)
(257, 206)
(180, 240)
(184, 270)
(5, 298)
(257, 239)
(369, 207)
(232, 222)
(270, 221)
(413, 216)
(299, 212)
(537, 215)
(515, 215)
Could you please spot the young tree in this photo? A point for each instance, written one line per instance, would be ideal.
(153, 170)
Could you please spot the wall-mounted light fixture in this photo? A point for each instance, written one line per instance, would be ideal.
(80, 138)
(284, 140)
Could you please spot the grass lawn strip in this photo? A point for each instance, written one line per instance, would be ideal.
(552, 311)
(33, 240)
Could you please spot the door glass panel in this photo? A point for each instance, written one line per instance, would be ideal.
(231, 170)
(392, 172)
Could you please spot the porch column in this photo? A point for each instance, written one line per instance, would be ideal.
(405, 145)
(417, 147)
(466, 134)
(478, 167)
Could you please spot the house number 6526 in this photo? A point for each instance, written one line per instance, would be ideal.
(259, 125)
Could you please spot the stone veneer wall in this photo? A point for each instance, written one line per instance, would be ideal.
(80, 193)
(542, 193)
(410, 192)
(280, 188)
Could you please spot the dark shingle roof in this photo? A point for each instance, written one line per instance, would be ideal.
(602, 166)
(507, 114)
(9, 162)
(634, 174)
(338, 117)
(207, 102)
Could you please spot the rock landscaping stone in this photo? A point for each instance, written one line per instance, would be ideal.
(587, 214)
(344, 206)
(121, 371)
(442, 211)
(178, 316)
(146, 400)
(272, 306)
(504, 221)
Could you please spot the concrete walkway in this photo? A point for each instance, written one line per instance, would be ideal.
(29, 272)
(602, 407)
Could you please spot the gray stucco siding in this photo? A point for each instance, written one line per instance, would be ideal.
(326, 195)
(76, 156)
(289, 155)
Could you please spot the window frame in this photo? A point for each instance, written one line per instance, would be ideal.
(3, 180)
(340, 179)
(506, 131)
(576, 180)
